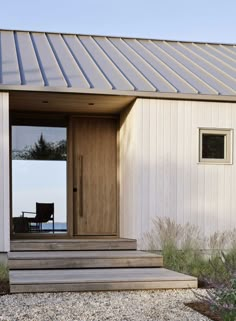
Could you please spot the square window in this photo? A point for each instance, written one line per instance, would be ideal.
(215, 146)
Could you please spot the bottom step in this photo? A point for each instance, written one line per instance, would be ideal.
(98, 280)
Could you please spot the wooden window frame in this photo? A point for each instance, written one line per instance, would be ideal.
(228, 145)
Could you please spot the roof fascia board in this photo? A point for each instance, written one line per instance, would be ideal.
(139, 94)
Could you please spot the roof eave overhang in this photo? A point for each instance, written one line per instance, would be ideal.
(112, 92)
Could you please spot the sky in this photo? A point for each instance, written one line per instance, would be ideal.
(27, 136)
(192, 20)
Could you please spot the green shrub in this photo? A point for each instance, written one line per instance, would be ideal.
(181, 247)
(3, 273)
(4, 279)
(221, 295)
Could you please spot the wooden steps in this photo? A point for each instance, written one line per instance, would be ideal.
(88, 265)
(98, 280)
(82, 259)
(73, 244)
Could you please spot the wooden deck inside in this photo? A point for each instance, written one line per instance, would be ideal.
(102, 279)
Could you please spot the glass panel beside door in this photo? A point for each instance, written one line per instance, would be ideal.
(39, 179)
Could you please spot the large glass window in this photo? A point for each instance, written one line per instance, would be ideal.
(39, 160)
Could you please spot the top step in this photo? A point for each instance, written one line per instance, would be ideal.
(73, 244)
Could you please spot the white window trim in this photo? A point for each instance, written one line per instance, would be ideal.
(228, 152)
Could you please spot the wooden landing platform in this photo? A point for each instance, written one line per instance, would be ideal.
(98, 280)
(73, 244)
(82, 259)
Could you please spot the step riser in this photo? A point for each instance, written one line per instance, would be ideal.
(84, 263)
(111, 286)
(74, 246)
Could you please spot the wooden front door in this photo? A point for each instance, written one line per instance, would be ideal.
(95, 176)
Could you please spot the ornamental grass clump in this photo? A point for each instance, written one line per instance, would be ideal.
(182, 249)
(221, 294)
(3, 272)
(179, 245)
(221, 264)
(4, 279)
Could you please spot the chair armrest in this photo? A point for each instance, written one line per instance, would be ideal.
(23, 213)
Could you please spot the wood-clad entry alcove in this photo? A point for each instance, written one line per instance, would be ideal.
(92, 124)
(91, 184)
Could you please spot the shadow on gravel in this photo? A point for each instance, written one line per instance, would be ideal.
(204, 309)
(4, 288)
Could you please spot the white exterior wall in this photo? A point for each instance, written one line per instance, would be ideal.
(4, 174)
(159, 170)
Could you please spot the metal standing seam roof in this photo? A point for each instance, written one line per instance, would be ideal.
(98, 64)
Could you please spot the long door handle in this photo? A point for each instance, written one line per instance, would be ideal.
(81, 191)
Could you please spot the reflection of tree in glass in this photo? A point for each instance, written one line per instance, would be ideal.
(43, 150)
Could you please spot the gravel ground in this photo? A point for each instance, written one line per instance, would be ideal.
(99, 306)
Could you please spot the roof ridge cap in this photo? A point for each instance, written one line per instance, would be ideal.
(116, 36)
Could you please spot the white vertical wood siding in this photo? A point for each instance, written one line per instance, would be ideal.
(159, 170)
(4, 174)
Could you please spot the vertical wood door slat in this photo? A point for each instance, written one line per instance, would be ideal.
(95, 141)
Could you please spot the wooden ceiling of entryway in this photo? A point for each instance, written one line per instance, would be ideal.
(72, 103)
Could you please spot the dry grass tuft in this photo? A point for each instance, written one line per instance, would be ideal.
(182, 247)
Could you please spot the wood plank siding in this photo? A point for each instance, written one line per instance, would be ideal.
(4, 174)
(159, 170)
